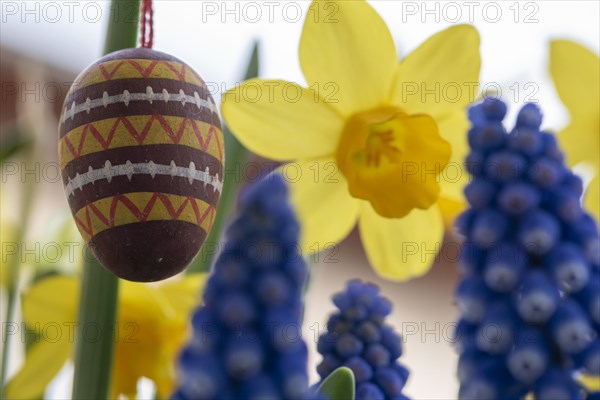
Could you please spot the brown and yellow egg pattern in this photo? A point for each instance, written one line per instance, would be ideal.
(141, 156)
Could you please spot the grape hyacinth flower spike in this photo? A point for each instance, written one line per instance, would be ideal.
(530, 293)
(358, 338)
(246, 342)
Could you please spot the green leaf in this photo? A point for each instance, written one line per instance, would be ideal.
(339, 385)
(235, 159)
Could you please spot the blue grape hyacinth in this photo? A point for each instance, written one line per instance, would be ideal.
(358, 338)
(247, 340)
(530, 293)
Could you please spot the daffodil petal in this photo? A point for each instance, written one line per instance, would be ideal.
(42, 305)
(165, 376)
(441, 75)
(404, 248)
(44, 360)
(140, 300)
(590, 382)
(150, 332)
(281, 120)
(580, 140)
(348, 54)
(319, 194)
(592, 198)
(125, 380)
(576, 74)
(147, 349)
(184, 294)
(453, 179)
(450, 209)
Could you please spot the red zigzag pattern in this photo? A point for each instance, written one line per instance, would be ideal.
(145, 72)
(142, 215)
(141, 136)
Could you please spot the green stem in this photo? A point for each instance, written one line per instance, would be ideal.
(14, 269)
(100, 288)
(122, 25)
(95, 331)
(235, 158)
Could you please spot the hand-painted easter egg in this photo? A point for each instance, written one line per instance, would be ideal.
(141, 156)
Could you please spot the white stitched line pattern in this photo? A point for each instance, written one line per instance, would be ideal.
(127, 98)
(130, 169)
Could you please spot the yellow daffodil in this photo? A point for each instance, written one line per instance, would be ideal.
(370, 136)
(590, 382)
(576, 74)
(9, 246)
(152, 325)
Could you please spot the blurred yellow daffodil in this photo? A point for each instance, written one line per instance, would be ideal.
(151, 327)
(7, 240)
(590, 382)
(576, 74)
(9, 234)
(390, 128)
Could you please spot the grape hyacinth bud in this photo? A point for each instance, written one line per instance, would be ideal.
(529, 297)
(358, 338)
(246, 342)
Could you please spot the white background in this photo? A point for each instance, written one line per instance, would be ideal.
(514, 50)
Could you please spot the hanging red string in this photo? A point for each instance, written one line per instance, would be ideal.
(147, 24)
